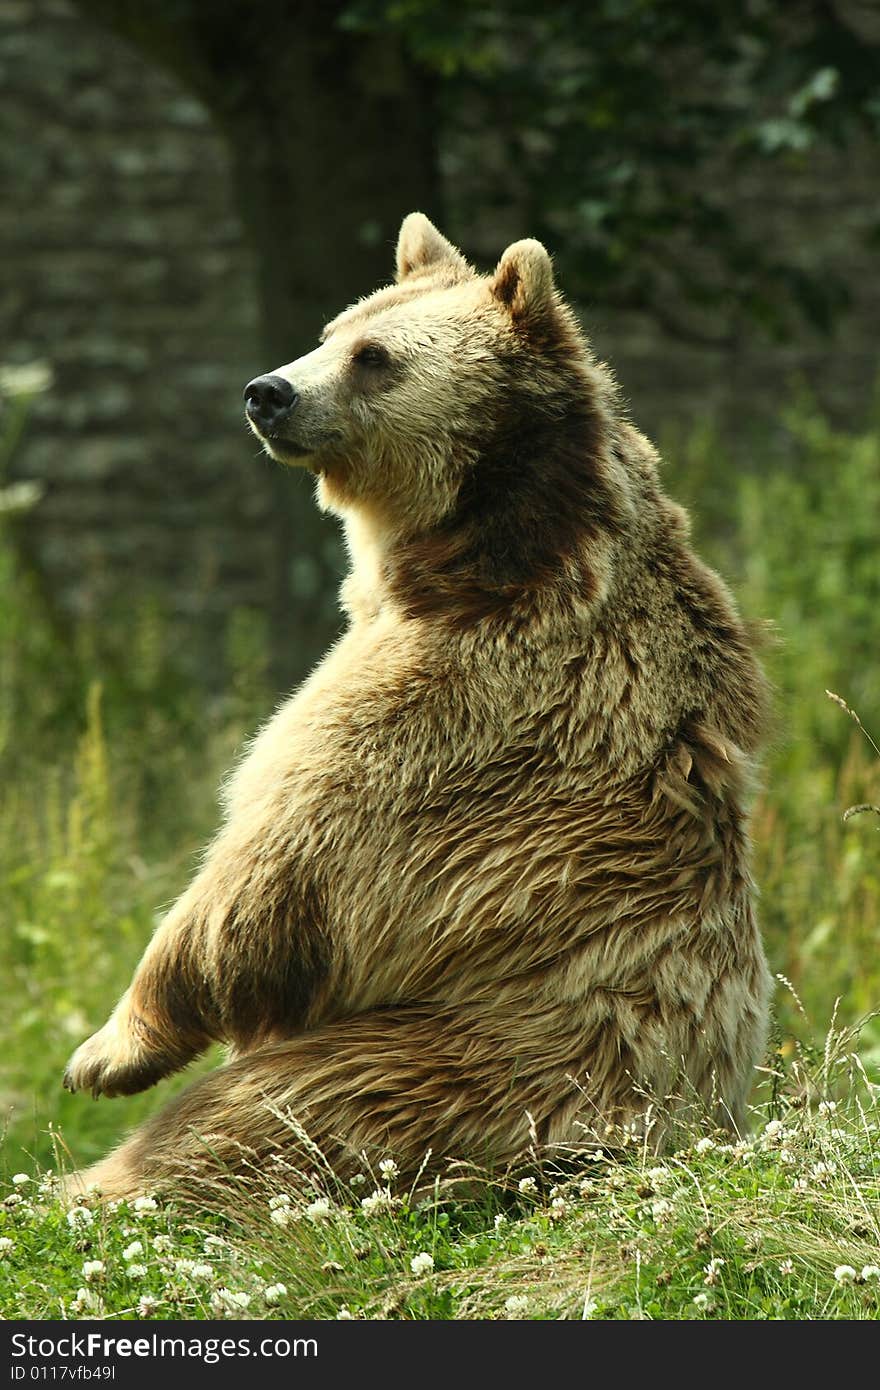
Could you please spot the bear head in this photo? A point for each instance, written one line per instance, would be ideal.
(460, 417)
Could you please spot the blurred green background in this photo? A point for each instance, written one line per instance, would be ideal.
(189, 191)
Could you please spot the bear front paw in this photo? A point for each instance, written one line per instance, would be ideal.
(113, 1062)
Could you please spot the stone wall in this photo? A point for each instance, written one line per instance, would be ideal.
(814, 214)
(122, 265)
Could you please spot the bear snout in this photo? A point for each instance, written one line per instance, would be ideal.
(269, 400)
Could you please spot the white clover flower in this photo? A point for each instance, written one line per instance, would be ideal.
(20, 1178)
(870, 1272)
(844, 1274)
(787, 1267)
(659, 1177)
(319, 1209)
(92, 1269)
(132, 1251)
(343, 1315)
(147, 1305)
(20, 497)
(516, 1305)
(281, 1216)
(163, 1244)
(527, 1185)
(422, 1263)
(193, 1269)
(389, 1169)
(704, 1146)
(379, 1200)
(774, 1129)
(273, 1293)
(358, 1181)
(661, 1209)
(84, 1299)
(703, 1301)
(14, 1199)
(712, 1270)
(142, 1206)
(500, 1220)
(226, 1300)
(827, 1107)
(801, 1185)
(786, 1157)
(558, 1208)
(136, 1271)
(823, 1171)
(25, 379)
(80, 1218)
(281, 1199)
(6, 1245)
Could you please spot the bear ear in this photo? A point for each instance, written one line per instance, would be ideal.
(421, 247)
(523, 280)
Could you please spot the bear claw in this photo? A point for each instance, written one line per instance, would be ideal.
(94, 1067)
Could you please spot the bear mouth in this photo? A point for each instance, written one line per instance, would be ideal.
(285, 449)
(280, 447)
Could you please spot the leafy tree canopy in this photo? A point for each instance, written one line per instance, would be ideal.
(625, 129)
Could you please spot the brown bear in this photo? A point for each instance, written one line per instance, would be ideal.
(483, 880)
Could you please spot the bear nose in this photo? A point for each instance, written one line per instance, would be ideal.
(268, 399)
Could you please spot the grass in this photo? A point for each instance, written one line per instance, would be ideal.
(110, 755)
(782, 1225)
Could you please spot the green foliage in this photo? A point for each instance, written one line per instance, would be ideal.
(621, 130)
(109, 763)
(796, 531)
(815, 570)
(780, 1226)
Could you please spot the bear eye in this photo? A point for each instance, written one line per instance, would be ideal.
(371, 355)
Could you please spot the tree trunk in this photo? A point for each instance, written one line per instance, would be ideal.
(332, 142)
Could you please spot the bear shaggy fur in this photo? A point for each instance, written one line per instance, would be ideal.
(483, 880)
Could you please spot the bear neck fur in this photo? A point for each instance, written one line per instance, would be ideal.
(546, 495)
